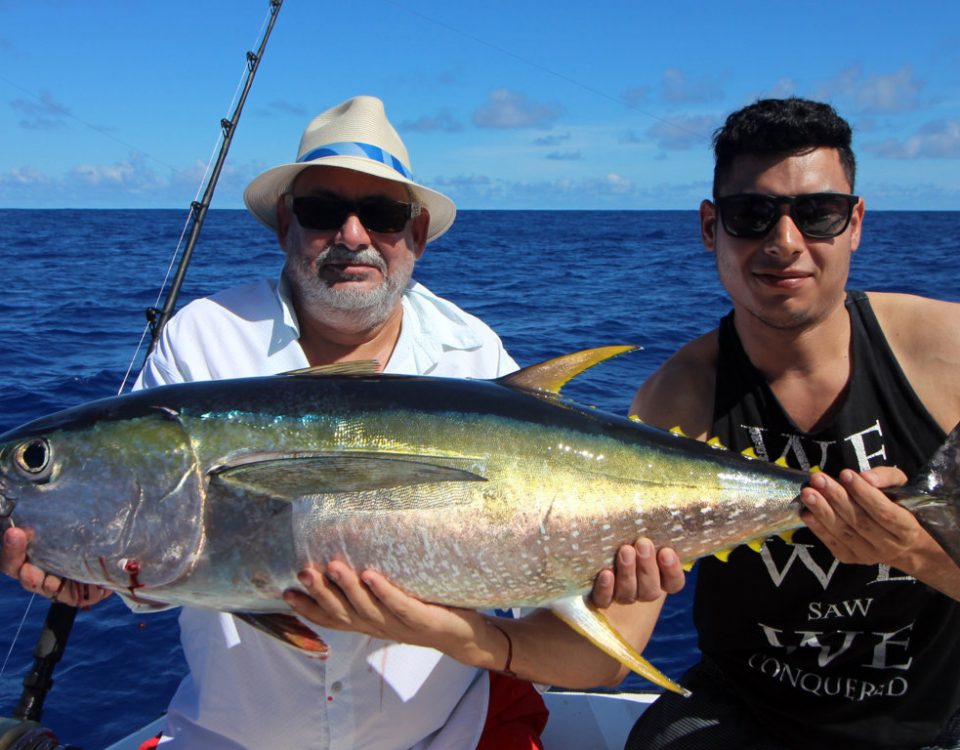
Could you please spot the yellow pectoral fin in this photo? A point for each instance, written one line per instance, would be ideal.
(588, 621)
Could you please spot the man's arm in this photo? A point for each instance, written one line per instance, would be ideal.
(680, 392)
(541, 647)
(852, 516)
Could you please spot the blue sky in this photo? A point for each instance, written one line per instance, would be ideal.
(502, 103)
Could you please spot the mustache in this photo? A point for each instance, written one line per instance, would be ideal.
(341, 255)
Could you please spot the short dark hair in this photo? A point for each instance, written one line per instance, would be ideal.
(781, 126)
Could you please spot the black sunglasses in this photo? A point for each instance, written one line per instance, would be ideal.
(817, 215)
(327, 213)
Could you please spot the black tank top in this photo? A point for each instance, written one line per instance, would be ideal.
(827, 654)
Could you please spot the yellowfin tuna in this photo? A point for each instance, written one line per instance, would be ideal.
(476, 494)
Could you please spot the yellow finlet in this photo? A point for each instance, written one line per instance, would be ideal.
(688, 566)
(815, 469)
(782, 462)
(749, 453)
(756, 544)
(634, 418)
(787, 536)
(677, 431)
(714, 442)
(723, 555)
(552, 375)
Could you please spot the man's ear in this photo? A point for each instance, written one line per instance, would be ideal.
(856, 224)
(419, 225)
(708, 225)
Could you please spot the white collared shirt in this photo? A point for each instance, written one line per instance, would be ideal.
(244, 689)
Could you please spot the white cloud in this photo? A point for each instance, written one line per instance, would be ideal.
(935, 140)
(41, 113)
(874, 94)
(684, 132)
(440, 122)
(564, 156)
(551, 140)
(508, 109)
(677, 88)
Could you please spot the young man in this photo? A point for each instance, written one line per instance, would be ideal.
(352, 224)
(846, 637)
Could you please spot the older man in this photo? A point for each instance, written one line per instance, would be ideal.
(352, 224)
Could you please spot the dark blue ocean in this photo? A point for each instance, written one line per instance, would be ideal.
(74, 285)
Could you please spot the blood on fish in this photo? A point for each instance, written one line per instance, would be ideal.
(132, 569)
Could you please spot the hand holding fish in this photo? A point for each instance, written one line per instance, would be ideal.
(853, 517)
(641, 574)
(861, 524)
(13, 562)
(341, 599)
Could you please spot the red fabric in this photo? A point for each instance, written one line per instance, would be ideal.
(516, 716)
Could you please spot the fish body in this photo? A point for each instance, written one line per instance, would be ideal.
(480, 494)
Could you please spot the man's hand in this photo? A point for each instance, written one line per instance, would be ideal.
(641, 573)
(857, 521)
(341, 599)
(13, 562)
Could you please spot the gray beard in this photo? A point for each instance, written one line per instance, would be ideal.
(364, 308)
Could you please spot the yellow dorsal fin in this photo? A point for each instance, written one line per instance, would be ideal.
(787, 536)
(722, 555)
(352, 367)
(714, 442)
(749, 453)
(781, 462)
(677, 431)
(555, 373)
(755, 544)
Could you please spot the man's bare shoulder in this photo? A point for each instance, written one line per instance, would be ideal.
(680, 393)
(924, 335)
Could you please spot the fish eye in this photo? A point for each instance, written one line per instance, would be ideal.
(33, 459)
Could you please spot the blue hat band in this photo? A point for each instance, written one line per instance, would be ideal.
(353, 148)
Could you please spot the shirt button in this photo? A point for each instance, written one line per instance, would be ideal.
(336, 687)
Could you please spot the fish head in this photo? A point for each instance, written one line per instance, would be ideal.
(109, 497)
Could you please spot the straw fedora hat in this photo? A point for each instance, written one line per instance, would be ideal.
(353, 135)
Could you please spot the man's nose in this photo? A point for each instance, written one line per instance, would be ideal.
(785, 238)
(352, 233)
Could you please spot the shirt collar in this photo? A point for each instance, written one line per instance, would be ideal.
(288, 313)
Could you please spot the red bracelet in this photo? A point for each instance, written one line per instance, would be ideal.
(506, 668)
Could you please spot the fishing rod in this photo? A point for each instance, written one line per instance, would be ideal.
(23, 731)
(157, 318)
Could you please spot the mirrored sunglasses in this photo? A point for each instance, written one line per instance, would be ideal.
(817, 215)
(328, 213)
